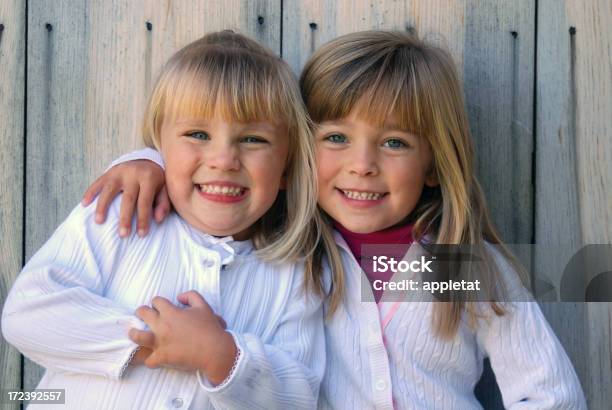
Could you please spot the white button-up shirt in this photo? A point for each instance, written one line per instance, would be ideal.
(72, 306)
(406, 366)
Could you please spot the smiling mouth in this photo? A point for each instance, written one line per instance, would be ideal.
(362, 195)
(212, 189)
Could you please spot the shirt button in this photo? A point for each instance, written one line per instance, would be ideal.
(208, 263)
(381, 385)
(177, 402)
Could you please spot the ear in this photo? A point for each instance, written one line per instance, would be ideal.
(283, 181)
(431, 179)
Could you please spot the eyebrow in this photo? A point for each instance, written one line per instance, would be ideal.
(386, 127)
(250, 126)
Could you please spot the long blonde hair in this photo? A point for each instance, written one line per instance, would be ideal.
(232, 74)
(418, 83)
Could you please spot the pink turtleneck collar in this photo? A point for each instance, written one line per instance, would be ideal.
(401, 235)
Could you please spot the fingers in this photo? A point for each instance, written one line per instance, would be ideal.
(147, 314)
(92, 191)
(162, 205)
(142, 338)
(154, 360)
(193, 299)
(161, 304)
(126, 212)
(145, 205)
(108, 193)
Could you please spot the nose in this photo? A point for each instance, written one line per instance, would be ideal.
(223, 156)
(363, 162)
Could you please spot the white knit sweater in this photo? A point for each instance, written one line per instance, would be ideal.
(414, 369)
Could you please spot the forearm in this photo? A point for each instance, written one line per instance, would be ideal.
(67, 328)
(56, 312)
(530, 365)
(145, 153)
(265, 376)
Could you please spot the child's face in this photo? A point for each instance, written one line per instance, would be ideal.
(370, 177)
(223, 176)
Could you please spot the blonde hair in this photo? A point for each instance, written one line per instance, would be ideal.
(419, 84)
(229, 73)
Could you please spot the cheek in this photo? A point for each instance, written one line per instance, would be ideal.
(407, 175)
(266, 171)
(181, 166)
(325, 166)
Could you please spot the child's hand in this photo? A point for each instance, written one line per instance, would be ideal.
(142, 182)
(140, 356)
(190, 338)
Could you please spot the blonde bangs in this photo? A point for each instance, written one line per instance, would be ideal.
(240, 85)
(346, 75)
(204, 91)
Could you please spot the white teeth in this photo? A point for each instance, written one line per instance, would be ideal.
(362, 196)
(221, 190)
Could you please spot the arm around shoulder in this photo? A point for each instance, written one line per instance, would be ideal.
(145, 153)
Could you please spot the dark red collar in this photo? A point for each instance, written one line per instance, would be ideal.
(391, 236)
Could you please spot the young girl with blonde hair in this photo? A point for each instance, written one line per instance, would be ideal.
(395, 165)
(227, 116)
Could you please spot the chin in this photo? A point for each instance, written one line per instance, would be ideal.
(361, 228)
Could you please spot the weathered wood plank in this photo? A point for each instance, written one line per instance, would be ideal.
(493, 46)
(12, 142)
(310, 23)
(90, 68)
(574, 161)
(498, 76)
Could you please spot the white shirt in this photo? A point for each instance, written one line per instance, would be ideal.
(416, 370)
(72, 306)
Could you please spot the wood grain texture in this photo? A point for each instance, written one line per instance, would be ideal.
(91, 66)
(574, 167)
(499, 76)
(12, 56)
(493, 46)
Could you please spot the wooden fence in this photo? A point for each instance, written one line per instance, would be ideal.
(74, 76)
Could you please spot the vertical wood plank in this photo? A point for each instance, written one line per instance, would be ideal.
(493, 46)
(12, 141)
(311, 23)
(574, 161)
(498, 71)
(91, 66)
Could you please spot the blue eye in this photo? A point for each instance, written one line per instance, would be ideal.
(336, 138)
(253, 139)
(199, 135)
(395, 143)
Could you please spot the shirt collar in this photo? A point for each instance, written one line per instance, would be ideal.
(226, 246)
